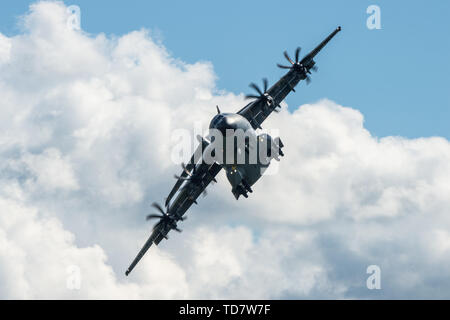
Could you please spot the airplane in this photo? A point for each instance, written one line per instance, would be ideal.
(197, 174)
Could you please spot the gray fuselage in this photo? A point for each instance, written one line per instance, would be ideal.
(239, 150)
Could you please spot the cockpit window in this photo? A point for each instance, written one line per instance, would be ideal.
(216, 120)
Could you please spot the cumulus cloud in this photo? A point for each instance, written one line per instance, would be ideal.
(85, 147)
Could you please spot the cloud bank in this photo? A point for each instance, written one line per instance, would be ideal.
(85, 138)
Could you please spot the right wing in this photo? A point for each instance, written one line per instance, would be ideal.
(180, 205)
(156, 233)
(194, 159)
(190, 192)
(255, 112)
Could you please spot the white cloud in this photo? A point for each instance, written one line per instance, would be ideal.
(85, 139)
(5, 49)
(50, 170)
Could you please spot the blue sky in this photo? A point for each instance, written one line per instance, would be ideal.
(398, 77)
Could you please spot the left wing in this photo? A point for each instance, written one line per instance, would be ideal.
(257, 111)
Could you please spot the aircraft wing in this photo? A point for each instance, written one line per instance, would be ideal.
(156, 234)
(194, 159)
(190, 192)
(178, 208)
(256, 112)
(316, 50)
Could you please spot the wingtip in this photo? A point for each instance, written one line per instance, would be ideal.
(127, 272)
(339, 28)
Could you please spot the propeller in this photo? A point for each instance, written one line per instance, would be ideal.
(297, 65)
(165, 218)
(263, 95)
(191, 176)
(187, 171)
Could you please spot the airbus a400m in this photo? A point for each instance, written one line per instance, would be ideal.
(200, 171)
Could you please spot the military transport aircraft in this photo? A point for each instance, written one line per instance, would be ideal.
(197, 175)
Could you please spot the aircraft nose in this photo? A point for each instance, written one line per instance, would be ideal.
(215, 121)
(222, 125)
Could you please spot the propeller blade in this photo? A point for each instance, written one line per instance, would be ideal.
(287, 57)
(308, 80)
(158, 207)
(205, 193)
(266, 84)
(218, 110)
(181, 178)
(297, 54)
(153, 216)
(185, 169)
(254, 86)
(177, 229)
(283, 67)
(182, 218)
(251, 96)
(314, 68)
